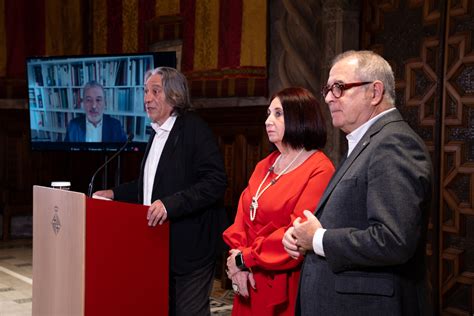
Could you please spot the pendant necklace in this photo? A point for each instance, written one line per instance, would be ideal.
(254, 204)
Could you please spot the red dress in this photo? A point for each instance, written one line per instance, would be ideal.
(276, 273)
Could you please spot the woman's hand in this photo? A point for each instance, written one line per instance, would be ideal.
(240, 279)
(240, 282)
(231, 267)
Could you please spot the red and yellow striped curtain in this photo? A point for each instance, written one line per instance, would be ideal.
(224, 47)
(119, 26)
(37, 28)
(55, 27)
(224, 42)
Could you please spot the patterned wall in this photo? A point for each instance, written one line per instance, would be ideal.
(429, 44)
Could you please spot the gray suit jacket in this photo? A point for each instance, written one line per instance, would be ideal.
(375, 210)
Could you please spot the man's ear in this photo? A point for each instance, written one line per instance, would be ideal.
(377, 92)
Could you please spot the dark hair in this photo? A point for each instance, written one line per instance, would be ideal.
(175, 88)
(304, 122)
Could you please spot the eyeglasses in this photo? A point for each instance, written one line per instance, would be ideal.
(338, 88)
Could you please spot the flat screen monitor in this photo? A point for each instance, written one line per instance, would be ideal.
(90, 103)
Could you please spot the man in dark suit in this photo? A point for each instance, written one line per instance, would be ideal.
(182, 178)
(94, 126)
(364, 247)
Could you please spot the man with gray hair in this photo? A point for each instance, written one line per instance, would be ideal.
(183, 181)
(94, 126)
(364, 246)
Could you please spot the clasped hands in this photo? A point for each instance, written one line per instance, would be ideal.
(240, 279)
(299, 238)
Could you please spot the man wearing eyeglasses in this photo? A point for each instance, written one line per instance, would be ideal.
(364, 247)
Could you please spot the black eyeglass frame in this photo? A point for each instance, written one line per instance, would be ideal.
(341, 86)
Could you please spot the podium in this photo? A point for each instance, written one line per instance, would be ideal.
(94, 257)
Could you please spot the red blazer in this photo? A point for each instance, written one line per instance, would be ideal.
(276, 273)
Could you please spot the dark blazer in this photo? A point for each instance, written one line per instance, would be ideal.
(112, 131)
(190, 181)
(375, 209)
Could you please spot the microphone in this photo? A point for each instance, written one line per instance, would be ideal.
(91, 184)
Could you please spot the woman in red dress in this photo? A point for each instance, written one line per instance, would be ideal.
(283, 185)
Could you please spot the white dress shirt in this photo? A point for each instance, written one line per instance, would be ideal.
(94, 133)
(352, 139)
(153, 158)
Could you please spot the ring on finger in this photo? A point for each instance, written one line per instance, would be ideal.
(235, 287)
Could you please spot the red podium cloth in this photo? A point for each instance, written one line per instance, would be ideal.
(127, 262)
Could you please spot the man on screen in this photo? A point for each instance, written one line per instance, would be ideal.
(94, 126)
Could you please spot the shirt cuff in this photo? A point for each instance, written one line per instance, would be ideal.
(318, 242)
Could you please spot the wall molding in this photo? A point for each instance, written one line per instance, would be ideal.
(15, 104)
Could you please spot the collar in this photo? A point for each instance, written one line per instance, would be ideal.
(99, 125)
(356, 135)
(166, 126)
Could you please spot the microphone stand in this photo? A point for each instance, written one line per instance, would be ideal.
(91, 184)
(105, 173)
(117, 172)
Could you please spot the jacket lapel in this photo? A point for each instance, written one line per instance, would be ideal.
(82, 130)
(360, 147)
(142, 166)
(107, 132)
(340, 172)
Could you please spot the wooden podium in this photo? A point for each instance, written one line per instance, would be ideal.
(94, 257)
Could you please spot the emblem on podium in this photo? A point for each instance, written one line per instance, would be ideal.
(55, 222)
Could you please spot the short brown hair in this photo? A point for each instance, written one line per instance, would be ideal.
(304, 122)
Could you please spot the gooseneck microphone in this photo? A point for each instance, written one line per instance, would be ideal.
(91, 184)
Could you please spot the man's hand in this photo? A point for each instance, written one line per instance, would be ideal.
(304, 231)
(156, 213)
(108, 194)
(289, 243)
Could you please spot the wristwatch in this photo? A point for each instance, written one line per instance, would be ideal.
(239, 262)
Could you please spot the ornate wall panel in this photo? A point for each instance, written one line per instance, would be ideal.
(304, 37)
(457, 162)
(429, 45)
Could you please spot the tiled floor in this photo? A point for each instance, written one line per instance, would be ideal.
(16, 280)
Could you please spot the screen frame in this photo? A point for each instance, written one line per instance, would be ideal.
(167, 59)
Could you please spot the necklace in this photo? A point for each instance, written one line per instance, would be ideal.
(258, 194)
